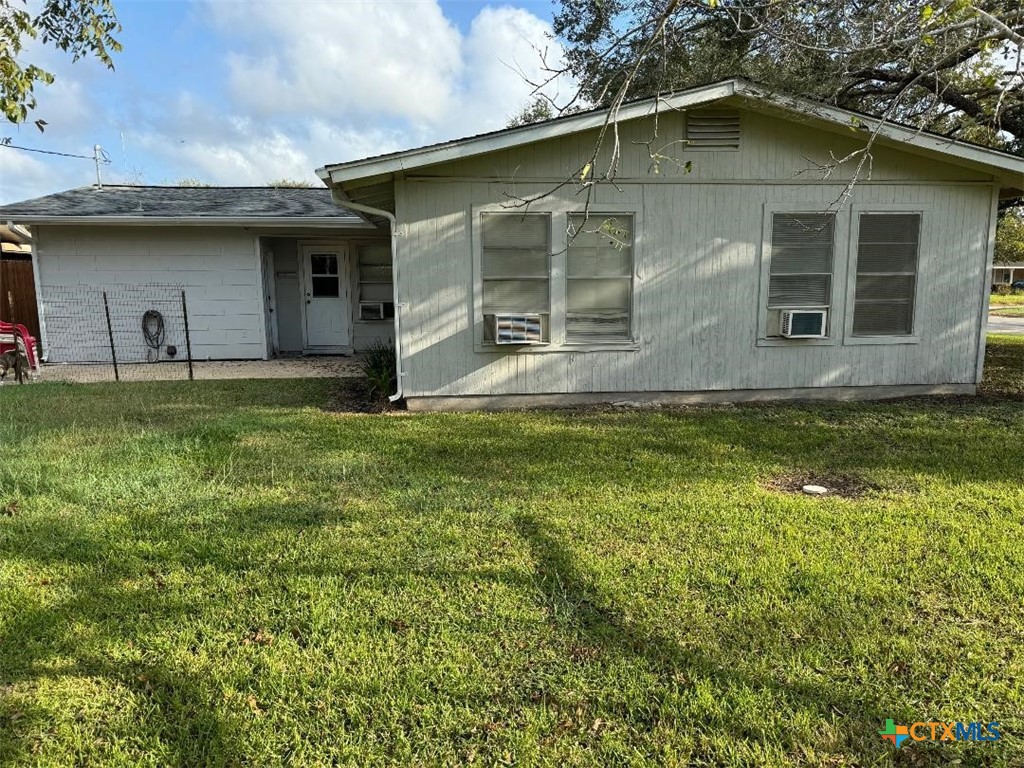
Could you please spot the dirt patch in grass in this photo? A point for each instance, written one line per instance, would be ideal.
(352, 395)
(838, 484)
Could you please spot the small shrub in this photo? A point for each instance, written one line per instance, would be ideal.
(1003, 289)
(379, 369)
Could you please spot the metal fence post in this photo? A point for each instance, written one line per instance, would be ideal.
(188, 338)
(110, 335)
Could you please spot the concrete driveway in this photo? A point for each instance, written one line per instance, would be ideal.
(1000, 324)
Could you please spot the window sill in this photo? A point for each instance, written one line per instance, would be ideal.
(779, 341)
(547, 347)
(880, 340)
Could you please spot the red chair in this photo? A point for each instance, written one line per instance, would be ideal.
(17, 336)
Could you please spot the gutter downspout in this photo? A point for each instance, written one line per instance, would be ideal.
(344, 202)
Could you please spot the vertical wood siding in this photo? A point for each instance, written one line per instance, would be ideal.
(18, 295)
(697, 274)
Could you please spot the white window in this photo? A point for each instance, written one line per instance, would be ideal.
(887, 258)
(800, 263)
(515, 258)
(599, 278)
(376, 287)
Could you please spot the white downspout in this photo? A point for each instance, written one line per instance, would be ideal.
(344, 202)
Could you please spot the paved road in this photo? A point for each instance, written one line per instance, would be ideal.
(997, 324)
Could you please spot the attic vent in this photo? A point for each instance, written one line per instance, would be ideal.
(718, 129)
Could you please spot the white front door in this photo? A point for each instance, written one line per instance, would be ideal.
(327, 297)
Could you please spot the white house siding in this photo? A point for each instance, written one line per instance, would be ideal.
(698, 268)
(216, 267)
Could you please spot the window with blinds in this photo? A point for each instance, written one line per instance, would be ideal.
(599, 278)
(887, 256)
(376, 287)
(514, 266)
(800, 266)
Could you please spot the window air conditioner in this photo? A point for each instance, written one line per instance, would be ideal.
(804, 323)
(518, 329)
(371, 310)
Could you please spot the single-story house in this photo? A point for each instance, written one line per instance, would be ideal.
(731, 259)
(1007, 273)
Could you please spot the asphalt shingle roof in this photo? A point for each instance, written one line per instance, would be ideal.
(182, 202)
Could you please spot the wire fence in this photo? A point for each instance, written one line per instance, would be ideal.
(121, 333)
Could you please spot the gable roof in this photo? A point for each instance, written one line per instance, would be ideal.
(1004, 164)
(268, 206)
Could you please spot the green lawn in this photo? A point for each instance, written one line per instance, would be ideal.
(1006, 300)
(228, 573)
(1017, 311)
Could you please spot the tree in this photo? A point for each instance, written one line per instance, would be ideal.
(79, 27)
(951, 66)
(290, 184)
(537, 110)
(1010, 238)
(191, 181)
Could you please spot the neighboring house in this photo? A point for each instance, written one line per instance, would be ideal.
(724, 263)
(1007, 273)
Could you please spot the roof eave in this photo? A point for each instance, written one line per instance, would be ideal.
(1010, 167)
(918, 139)
(199, 221)
(515, 137)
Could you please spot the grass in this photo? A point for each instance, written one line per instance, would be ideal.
(1017, 311)
(226, 573)
(1007, 300)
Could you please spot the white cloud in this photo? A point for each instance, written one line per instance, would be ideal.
(333, 59)
(24, 175)
(298, 85)
(339, 81)
(504, 52)
(363, 63)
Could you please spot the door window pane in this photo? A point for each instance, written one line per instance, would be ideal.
(323, 264)
(325, 286)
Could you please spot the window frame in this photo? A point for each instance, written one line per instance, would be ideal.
(856, 211)
(630, 337)
(356, 247)
(558, 211)
(840, 255)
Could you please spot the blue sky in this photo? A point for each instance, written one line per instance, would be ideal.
(245, 92)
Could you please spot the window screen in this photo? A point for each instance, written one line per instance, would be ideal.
(600, 278)
(887, 253)
(800, 267)
(375, 278)
(514, 265)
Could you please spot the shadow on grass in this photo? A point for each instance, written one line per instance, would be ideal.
(175, 718)
(591, 619)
